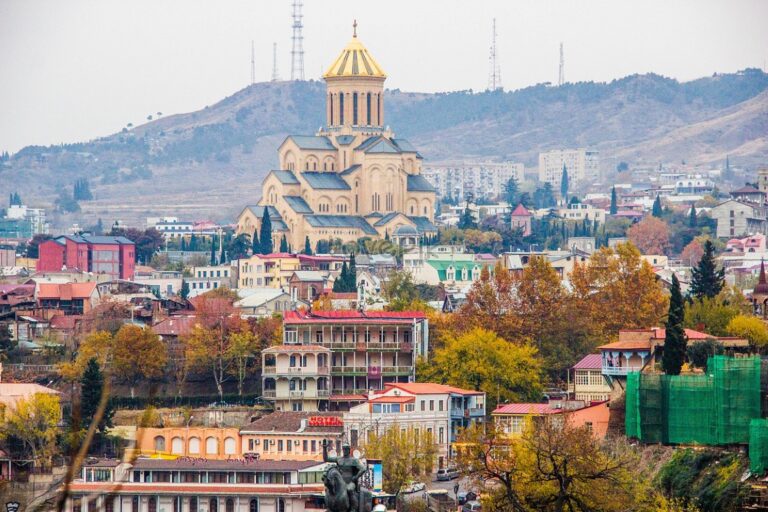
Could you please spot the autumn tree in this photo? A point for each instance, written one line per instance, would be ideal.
(713, 315)
(706, 279)
(242, 350)
(675, 340)
(750, 327)
(109, 315)
(406, 454)
(138, 355)
(491, 303)
(482, 361)
(650, 235)
(34, 421)
(692, 253)
(97, 345)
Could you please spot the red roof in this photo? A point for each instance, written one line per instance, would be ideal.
(589, 362)
(175, 325)
(429, 388)
(276, 255)
(297, 348)
(66, 291)
(65, 322)
(521, 211)
(526, 409)
(351, 316)
(393, 399)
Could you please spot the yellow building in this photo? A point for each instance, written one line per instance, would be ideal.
(353, 178)
(267, 270)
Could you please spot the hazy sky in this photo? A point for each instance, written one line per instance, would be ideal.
(77, 69)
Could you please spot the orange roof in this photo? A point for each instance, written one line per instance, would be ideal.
(296, 348)
(429, 388)
(393, 399)
(627, 345)
(66, 291)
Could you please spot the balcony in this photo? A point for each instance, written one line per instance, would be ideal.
(349, 370)
(620, 370)
(310, 393)
(309, 371)
(349, 392)
(396, 370)
(269, 393)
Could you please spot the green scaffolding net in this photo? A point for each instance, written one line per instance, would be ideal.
(712, 408)
(758, 446)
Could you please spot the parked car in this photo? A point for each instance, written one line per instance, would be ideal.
(445, 474)
(464, 496)
(472, 506)
(412, 487)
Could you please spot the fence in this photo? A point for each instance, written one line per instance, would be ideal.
(713, 409)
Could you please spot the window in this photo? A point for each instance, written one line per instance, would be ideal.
(305, 446)
(354, 108)
(211, 446)
(431, 405)
(193, 504)
(422, 405)
(159, 444)
(314, 446)
(280, 505)
(341, 108)
(440, 405)
(134, 504)
(368, 108)
(213, 505)
(152, 506)
(441, 435)
(109, 504)
(230, 505)
(279, 445)
(229, 446)
(253, 506)
(194, 445)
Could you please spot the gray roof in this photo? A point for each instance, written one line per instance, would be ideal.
(345, 139)
(404, 146)
(279, 225)
(325, 180)
(286, 177)
(340, 221)
(418, 183)
(312, 142)
(351, 169)
(388, 217)
(258, 211)
(298, 204)
(423, 224)
(368, 142)
(309, 275)
(96, 239)
(383, 145)
(405, 230)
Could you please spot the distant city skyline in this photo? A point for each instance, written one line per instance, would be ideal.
(77, 70)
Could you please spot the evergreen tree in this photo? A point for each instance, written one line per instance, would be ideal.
(340, 283)
(511, 191)
(213, 250)
(692, 220)
(184, 290)
(318, 248)
(265, 235)
(614, 202)
(183, 244)
(564, 183)
(307, 246)
(706, 280)
(467, 221)
(255, 244)
(675, 342)
(656, 211)
(352, 277)
(386, 235)
(525, 200)
(91, 389)
(284, 244)
(222, 256)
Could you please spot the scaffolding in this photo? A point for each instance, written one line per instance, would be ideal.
(758, 446)
(712, 409)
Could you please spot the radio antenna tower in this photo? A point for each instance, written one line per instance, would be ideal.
(275, 75)
(561, 77)
(297, 50)
(253, 63)
(494, 76)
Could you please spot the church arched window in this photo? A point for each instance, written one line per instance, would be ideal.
(368, 107)
(354, 108)
(330, 99)
(341, 108)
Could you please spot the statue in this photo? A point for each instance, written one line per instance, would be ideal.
(342, 490)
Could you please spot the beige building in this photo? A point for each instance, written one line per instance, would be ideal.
(583, 167)
(353, 178)
(589, 384)
(268, 270)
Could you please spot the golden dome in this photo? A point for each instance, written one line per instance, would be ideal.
(355, 60)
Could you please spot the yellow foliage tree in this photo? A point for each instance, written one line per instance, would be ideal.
(138, 354)
(405, 454)
(97, 345)
(34, 421)
(750, 327)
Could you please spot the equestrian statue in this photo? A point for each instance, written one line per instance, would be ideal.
(343, 493)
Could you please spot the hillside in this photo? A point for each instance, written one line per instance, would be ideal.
(209, 163)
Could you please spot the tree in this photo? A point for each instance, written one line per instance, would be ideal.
(406, 454)
(92, 386)
(399, 289)
(706, 280)
(352, 274)
(692, 220)
(713, 315)
(35, 422)
(213, 250)
(650, 235)
(751, 328)
(674, 340)
(242, 350)
(138, 355)
(265, 235)
(656, 211)
(511, 191)
(525, 200)
(699, 352)
(82, 190)
(622, 167)
(692, 253)
(564, 183)
(307, 246)
(614, 202)
(255, 244)
(482, 361)
(237, 246)
(184, 292)
(6, 341)
(33, 247)
(283, 244)
(97, 345)
(467, 221)
(491, 303)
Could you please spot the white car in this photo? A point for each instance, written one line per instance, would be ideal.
(413, 487)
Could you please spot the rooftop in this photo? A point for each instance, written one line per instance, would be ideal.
(291, 422)
(65, 291)
(526, 409)
(304, 317)
(355, 60)
(589, 362)
(429, 388)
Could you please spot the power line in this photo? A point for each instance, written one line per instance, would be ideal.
(494, 75)
(275, 75)
(561, 76)
(297, 49)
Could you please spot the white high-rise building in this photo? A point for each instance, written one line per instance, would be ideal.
(459, 180)
(583, 167)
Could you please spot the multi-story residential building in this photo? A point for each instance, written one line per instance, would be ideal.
(740, 218)
(583, 167)
(71, 298)
(264, 302)
(436, 409)
(694, 185)
(579, 212)
(174, 228)
(589, 384)
(188, 484)
(466, 180)
(113, 256)
(33, 217)
(210, 277)
(455, 270)
(514, 419)
(367, 351)
(332, 262)
(268, 270)
(297, 377)
(307, 285)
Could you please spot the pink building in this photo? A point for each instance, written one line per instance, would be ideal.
(521, 218)
(111, 255)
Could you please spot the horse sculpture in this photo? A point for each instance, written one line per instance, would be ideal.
(336, 495)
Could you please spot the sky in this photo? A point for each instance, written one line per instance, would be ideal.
(75, 70)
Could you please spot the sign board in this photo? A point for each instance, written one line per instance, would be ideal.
(373, 479)
(325, 421)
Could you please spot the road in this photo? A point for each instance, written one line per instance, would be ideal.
(447, 485)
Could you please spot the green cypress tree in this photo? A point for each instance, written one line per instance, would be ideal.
(386, 235)
(614, 202)
(467, 221)
(656, 211)
(222, 256)
(564, 183)
(675, 342)
(307, 246)
(91, 389)
(352, 275)
(510, 191)
(692, 220)
(706, 279)
(183, 244)
(213, 250)
(340, 283)
(255, 245)
(184, 292)
(283, 244)
(265, 235)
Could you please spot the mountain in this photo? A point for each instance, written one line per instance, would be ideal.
(210, 163)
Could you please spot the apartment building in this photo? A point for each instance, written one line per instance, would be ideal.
(740, 218)
(582, 164)
(210, 277)
(268, 270)
(462, 180)
(113, 256)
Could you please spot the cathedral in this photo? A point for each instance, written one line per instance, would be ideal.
(353, 178)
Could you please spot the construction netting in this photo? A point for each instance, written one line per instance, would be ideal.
(758, 446)
(712, 408)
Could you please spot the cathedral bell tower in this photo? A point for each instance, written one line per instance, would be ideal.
(355, 88)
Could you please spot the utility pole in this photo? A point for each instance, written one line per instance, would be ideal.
(561, 76)
(275, 75)
(494, 75)
(297, 49)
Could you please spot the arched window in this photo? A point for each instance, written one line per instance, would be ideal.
(253, 506)
(152, 504)
(211, 446)
(331, 100)
(280, 505)
(159, 443)
(292, 362)
(354, 108)
(194, 445)
(230, 505)
(213, 505)
(368, 109)
(341, 108)
(135, 504)
(177, 446)
(229, 446)
(109, 504)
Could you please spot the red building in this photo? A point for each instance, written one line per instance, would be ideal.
(111, 255)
